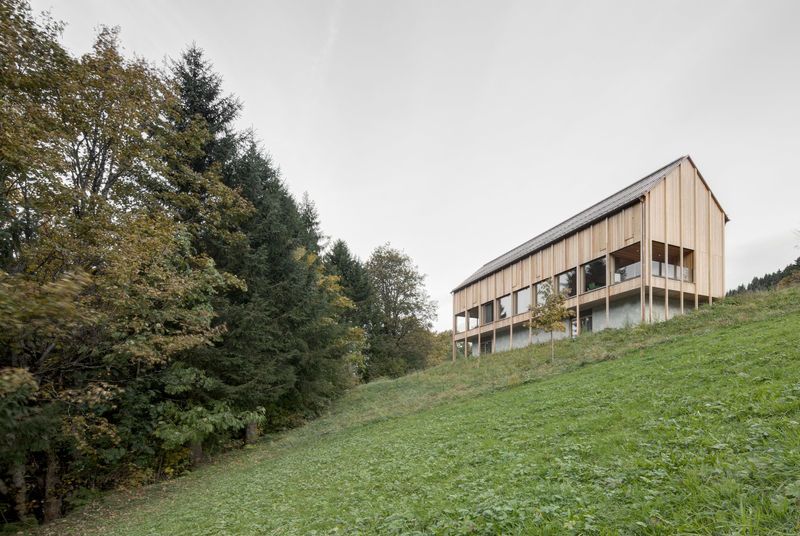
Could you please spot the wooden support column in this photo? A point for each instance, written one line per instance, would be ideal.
(642, 272)
(666, 253)
(495, 315)
(577, 284)
(722, 245)
(710, 257)
(608, 277)
(696, 243)
(530, 280)
(454, 327)
(680, 277)
(481, 320)
(680, 235)
(649, 264)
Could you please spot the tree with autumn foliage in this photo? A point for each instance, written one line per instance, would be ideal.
(549, 316)
(163, 295)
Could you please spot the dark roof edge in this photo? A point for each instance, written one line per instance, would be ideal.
(468, 280)
(703, 180)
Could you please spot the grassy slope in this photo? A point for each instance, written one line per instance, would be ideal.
(690, 426)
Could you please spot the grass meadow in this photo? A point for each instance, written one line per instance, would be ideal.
(691, 426)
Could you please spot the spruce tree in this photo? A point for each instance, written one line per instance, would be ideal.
(282, 356)
(354, 279)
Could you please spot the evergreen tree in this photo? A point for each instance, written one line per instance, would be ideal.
(310, 219)
(283, 355)
(767, 281)
(354, 279)
(160, 288)
(285, 349)
(201, 99)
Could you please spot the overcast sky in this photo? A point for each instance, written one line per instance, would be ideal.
(457, 130)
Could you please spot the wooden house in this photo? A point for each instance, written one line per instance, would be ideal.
(644, 254)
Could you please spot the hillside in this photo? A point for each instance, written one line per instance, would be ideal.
(690, 426)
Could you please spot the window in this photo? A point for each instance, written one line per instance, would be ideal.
(504, 306)
(472, 318)
(688, 265)
(541, 290)
(594, 274)
(672, 267)
(486, 346)
(522, 301)
(567, 283)
(586, 323)
(488, 312)
(460, 322)
(627, 263)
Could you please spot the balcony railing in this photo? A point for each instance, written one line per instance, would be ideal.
(625, 273)
(628, 272)
(671, 271)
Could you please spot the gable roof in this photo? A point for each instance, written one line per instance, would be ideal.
(600, 210)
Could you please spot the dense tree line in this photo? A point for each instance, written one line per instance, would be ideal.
(768, 281)
(162, 293)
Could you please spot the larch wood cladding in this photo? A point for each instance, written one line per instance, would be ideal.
(680, 211)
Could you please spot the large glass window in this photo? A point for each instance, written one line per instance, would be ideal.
(688, 265)
(460, 322)
(504, 306)
(472, 318)
(672, 267)
(627, 263)
(486, 345)
(567, 283)
(541, 290)
(522, 301)
(487, 311)
(594, 274)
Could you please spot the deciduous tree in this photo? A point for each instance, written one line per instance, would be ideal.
(399, 337)
(550, 315)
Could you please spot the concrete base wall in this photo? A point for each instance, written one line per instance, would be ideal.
(502, 341)
(623, 312)
(674, 308)
(541, 336)
(521, 337)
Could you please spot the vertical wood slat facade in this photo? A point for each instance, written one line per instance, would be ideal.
(679, 211)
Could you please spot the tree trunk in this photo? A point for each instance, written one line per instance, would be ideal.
(251, 432)
(20, 493)
(552, 347)
(196, 452)
(52, 493)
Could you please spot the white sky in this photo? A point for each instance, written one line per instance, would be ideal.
(457, 130)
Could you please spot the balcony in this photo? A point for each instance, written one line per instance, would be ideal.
(630, 271)
(671, 271)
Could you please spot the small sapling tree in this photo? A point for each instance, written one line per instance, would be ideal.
(549, 315)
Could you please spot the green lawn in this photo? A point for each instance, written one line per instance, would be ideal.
(690, 427)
